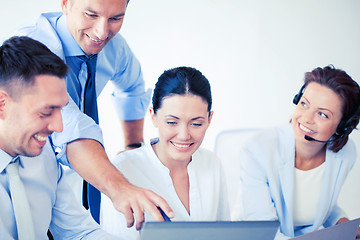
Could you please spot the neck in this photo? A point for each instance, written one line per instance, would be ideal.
(171, 164)
(309, 156)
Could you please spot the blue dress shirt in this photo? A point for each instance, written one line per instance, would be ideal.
(115, 62)
(50, 198)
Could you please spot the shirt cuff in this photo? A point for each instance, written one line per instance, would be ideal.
(130, 108)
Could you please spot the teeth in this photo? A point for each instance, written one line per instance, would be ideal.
(305, 129)
(40, 138)
(94, 39)
(181, 145)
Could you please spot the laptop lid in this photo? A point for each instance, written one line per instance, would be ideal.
(229, 230)
(343, 231)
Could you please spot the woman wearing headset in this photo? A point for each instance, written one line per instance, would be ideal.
(294, 173)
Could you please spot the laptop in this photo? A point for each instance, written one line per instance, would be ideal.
(229, 230)
(343, 231)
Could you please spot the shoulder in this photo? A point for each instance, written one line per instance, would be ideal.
(348, 152)
(117, 47)
(118, 54)
(205, 158)
(271, 148)
(130, 158)
(43, 30)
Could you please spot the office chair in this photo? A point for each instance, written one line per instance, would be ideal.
(227, 146)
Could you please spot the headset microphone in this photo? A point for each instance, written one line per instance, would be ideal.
(313, 139)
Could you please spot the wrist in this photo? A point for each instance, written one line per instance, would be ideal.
(134, 145)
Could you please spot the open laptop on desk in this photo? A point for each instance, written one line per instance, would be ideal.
(254, 230)
(343, 231)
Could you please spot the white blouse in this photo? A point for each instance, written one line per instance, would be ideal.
(142, 168)
(307, 190)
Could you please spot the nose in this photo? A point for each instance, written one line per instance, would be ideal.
(184, 133)
(309, 116)
(56, 123)
(101, 29)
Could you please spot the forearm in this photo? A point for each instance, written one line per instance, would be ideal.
(133, 131)
(89, 160)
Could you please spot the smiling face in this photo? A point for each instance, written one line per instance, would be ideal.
(26, 122)
(317, 114)
(93, 23)
(182, 121)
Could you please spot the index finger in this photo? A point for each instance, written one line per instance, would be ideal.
(154, 211)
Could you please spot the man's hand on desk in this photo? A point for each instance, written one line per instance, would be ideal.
(133, 201)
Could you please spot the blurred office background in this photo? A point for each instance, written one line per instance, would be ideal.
(254, 53)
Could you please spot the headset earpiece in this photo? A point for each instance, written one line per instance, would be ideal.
(299, 95)
(344, 127)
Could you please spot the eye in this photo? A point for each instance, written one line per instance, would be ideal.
(197, 124)
(304, 104)
(323, 115)
(45, 114)
(90, 15)
(116, 19)
(171, 123)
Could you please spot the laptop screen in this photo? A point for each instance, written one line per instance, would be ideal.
(229, 230)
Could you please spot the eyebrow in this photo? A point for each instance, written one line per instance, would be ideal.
(326, 109)
(195, 118)
(94, 12)
(55, 106)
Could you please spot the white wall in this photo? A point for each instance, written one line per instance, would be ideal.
(254, 53)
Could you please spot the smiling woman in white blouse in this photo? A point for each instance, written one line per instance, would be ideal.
(189, 178)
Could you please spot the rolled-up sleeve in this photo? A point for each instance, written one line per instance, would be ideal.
(131, 107)
(130, 97)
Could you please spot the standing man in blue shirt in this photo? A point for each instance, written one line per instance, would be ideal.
(86, 36)
(33, 194)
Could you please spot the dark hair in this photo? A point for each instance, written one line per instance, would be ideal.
(22, 59)
(181, 81)
(348, 90)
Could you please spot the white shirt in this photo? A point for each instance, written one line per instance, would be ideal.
(207, 193)
(307, 190)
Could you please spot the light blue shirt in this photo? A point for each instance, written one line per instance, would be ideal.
(267, 163)
(51, 201)
(115, 62)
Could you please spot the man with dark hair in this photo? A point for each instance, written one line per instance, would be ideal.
(34, 196)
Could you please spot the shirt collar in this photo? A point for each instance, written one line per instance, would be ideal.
(5, 159)
(71, 48)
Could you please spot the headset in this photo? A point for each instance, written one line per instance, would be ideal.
(344, 128)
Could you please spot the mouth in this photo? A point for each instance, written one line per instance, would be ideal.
(96, 41)
(181, 145)
(305, 129)
(41, 139)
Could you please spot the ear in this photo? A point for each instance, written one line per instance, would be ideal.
(3, 100)
(65, 5)
(153, 117)
(210, 116)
